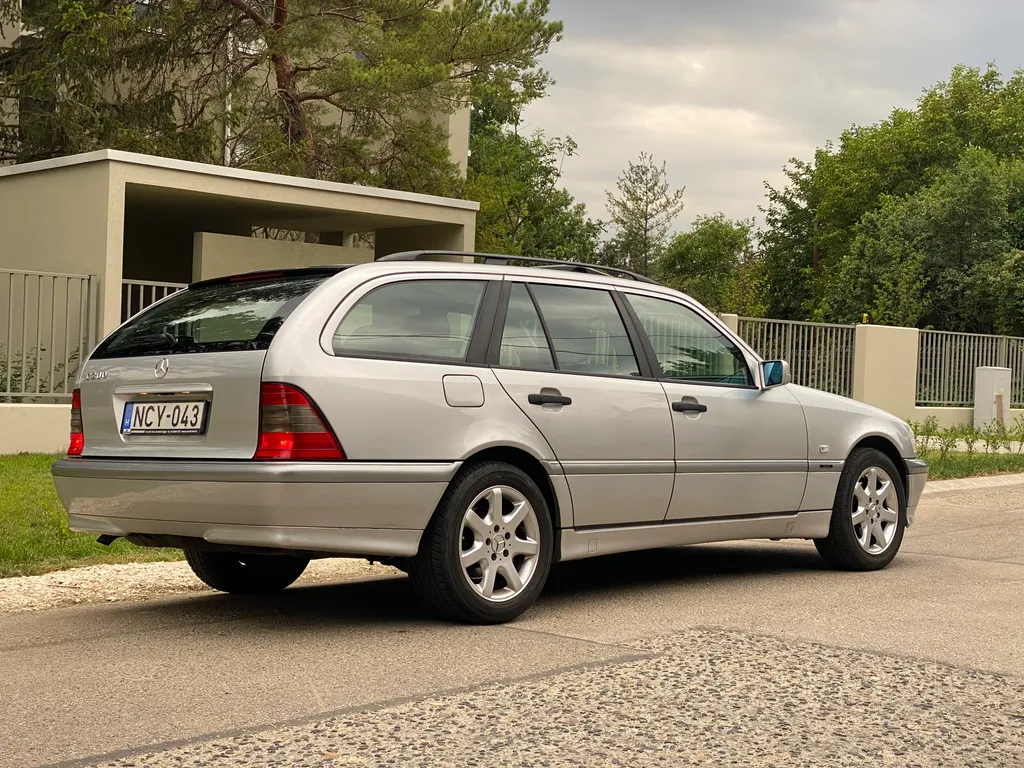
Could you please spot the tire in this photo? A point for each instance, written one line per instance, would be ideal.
(245, 574)
(854, 518)
(450, 590)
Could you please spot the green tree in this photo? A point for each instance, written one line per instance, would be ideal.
(642, 211)
(345, 92)
(523, 211)
(912, 217)
(932, 257)
(714, 263)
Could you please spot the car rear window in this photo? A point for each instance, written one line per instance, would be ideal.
(212, 317)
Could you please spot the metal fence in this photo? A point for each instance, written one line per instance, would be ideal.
(136, 295)
(47, 325)
(820, 355)
(946, 363)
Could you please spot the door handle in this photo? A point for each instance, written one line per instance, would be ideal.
(684, 406)
(544, 398)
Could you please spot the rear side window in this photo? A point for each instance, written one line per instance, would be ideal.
(523, 343)
(586, 331)
(415, 319)
(219, 317)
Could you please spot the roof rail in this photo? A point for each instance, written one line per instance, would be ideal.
(496, 258)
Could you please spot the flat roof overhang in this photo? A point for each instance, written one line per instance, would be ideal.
(217, 196)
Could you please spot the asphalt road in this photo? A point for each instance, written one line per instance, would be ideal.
(718, 655)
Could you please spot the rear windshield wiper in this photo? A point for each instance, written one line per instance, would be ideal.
(154, 342)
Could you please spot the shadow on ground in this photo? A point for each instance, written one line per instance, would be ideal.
(391, 599)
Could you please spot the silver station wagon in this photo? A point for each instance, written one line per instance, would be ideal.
(469, 420)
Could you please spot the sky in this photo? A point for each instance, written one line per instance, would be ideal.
(726, 91)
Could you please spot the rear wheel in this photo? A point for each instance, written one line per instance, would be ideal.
(869, 515)
(245, 574)
(486, 554)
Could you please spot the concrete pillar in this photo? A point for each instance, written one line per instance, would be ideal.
(731, 321)
(343, 239)
(440, 237)
(885, 368)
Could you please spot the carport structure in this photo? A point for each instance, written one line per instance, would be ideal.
(87, 240)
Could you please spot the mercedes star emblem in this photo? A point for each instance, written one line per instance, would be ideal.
(161, 368)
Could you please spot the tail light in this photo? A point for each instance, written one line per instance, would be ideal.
(77, 442)
(292, 429)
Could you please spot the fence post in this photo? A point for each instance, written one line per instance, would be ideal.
(94, 321)
(885, 368)
(732, 322)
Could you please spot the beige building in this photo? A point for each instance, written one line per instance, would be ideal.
(88, 240)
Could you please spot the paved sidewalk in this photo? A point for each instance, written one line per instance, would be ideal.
(971, 483)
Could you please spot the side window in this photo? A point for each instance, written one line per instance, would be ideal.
(687, 346)
(431, 319)
(523, 344)
(586, 330)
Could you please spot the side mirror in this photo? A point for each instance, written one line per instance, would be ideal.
(776, 373)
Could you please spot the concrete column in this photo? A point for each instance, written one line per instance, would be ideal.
(731, 321)
(885, 368)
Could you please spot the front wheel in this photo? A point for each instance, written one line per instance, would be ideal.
(245, 574)
(486, 554)
(869, 515)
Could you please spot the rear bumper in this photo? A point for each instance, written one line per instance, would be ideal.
(917, 476)
(356, 508)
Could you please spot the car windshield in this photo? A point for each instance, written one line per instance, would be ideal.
(216, 317)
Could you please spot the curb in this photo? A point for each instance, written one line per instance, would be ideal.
(973, 483)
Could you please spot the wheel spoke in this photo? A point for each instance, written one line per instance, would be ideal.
(873, 483)
(511, 576)
(861, 495)
(480, 526)
(859, 516)
(865, 535)
(490, 570)
(884, 490)
(519, 513)
(494, 503)
(876, 529)
(474, 555)
(524, 547)
(888, 515)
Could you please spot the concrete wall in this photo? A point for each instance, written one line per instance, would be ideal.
(34, 237)
(217, 255)
(950, 417)
(34, 428)
(431, 237)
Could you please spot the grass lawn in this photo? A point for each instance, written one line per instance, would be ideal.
(34, 535)
(956, 465)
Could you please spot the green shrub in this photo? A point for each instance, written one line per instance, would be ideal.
(948, 437)
(23, 369)
(969, 436)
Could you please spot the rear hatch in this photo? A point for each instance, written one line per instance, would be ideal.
(182, 379)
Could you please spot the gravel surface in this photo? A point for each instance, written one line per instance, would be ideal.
(142, 581)
(702, 698)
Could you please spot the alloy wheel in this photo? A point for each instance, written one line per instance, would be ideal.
(500, 543)
(876, 510)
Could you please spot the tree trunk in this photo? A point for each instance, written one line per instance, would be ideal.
(296, 125)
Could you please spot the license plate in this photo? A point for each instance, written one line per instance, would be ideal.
(174, 418)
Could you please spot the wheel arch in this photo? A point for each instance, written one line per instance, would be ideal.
(887, 447)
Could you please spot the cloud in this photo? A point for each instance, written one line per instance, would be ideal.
(726, 91)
